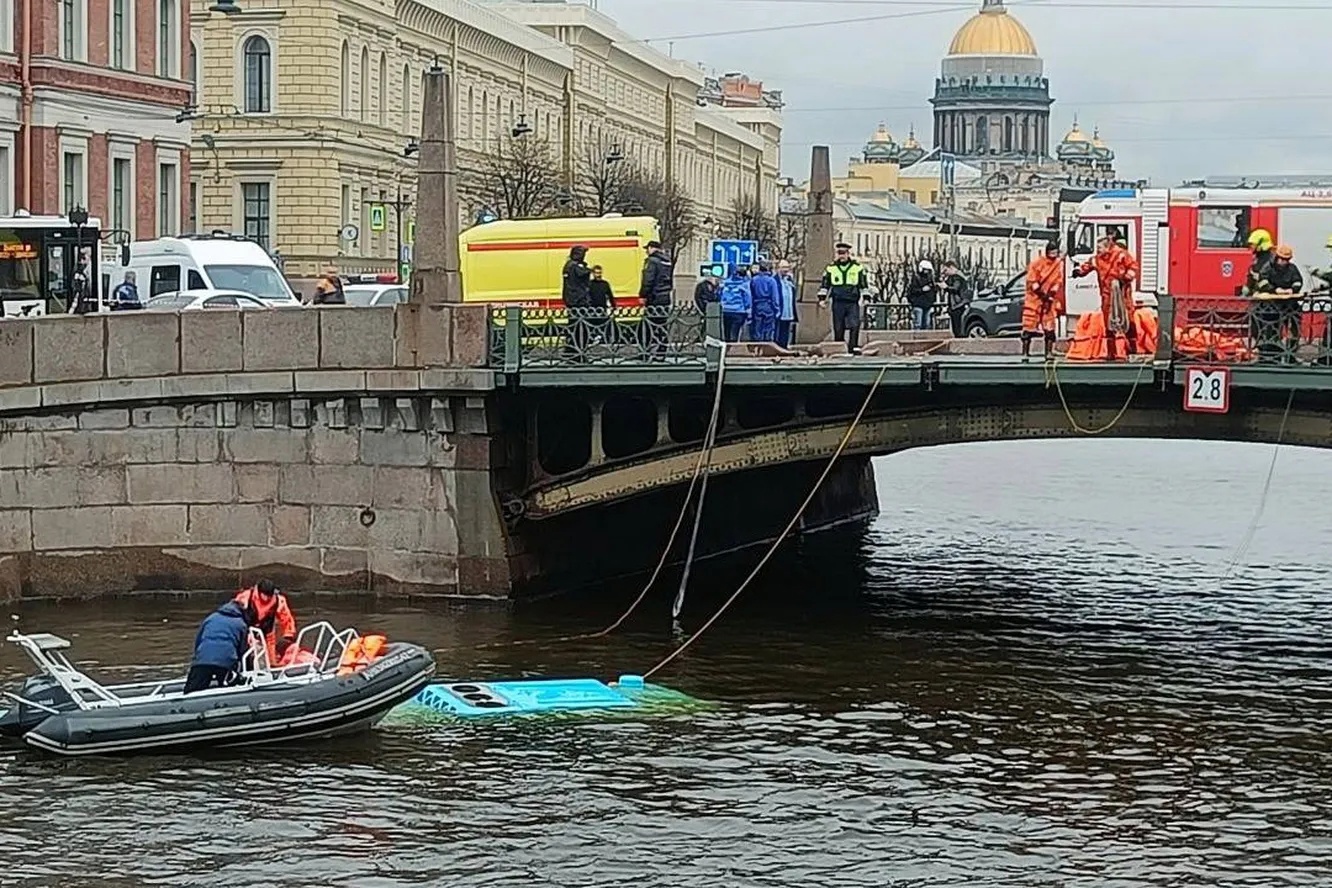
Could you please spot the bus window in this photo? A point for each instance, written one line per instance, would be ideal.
(1223, 228)
(20, 268)
(57, 276)
(163, 279)
(194, 281)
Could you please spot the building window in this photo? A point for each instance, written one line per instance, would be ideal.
(258, 76)
(407, 99)
(122, 192)
(166, 42)
(346, 214)
(120, 34)
(194, 72)
(345, 87)
(383, 88)
(73, 183)
(365, 221)
(168, 204)
(6, 179)
(255, 212)
(365, 83)
(194, 207)
(73, 29)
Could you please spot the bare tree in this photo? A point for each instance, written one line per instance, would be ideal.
(520, 179)
(790, 239)
(746, 220)
(602, 177)
(651, 194)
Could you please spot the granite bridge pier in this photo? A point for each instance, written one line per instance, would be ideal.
(432, 449)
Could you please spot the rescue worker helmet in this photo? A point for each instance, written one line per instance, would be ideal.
(1284, 252)
(1329, 241)
(1260, 239)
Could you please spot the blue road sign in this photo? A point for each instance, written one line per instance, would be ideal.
(737, 252)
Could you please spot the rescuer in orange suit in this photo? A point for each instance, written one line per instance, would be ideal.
(1044, 299)
(269, 611)
(1113, 262)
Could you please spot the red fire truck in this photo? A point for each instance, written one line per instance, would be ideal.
(1192, 241)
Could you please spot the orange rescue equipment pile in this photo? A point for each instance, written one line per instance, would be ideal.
(1211, 345)
(1088, 342)
(361, 653)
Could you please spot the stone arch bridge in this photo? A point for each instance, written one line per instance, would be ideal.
(413, 450)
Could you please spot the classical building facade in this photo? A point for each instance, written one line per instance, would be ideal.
(307, 115)
(90, 93)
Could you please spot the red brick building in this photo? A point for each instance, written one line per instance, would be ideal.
(89, 94)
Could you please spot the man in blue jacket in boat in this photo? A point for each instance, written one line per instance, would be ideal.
(224, 636)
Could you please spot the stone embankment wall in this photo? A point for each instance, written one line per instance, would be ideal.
(326, 448)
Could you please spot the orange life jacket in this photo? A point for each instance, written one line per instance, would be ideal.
(361, 653)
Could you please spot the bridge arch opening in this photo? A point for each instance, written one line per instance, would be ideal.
(687, 419)
(564, 435)
(764, 411)
(628, 426)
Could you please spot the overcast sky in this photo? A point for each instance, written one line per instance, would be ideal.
(1180, 88)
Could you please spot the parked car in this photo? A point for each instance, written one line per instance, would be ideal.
(194, 300)
(375, 294)
(997, 311)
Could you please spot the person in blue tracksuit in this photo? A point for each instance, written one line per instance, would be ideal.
(737, 301)
(224, 636)
(767, 305)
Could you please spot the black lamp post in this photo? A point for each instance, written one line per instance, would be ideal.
(226, 7)
(78, 284)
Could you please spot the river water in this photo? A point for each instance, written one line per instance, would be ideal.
(1026, 673)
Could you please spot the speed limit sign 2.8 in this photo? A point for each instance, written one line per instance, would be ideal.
(1207, 389)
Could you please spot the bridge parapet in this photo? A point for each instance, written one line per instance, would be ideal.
(103, 354)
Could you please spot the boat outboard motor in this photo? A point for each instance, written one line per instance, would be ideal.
(22, 718)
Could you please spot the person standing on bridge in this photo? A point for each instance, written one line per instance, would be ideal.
(787, 317)
(767, 304)
(1116, 274)
(845, 283)
(737, 303)
(657, 290)
(1045, 295)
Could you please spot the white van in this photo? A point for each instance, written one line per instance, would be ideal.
(216, 261)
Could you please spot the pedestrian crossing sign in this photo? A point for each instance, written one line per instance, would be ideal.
(377, 217)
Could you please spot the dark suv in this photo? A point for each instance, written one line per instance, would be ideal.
(997, 311)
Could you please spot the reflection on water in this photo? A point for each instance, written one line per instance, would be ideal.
(1025, 674)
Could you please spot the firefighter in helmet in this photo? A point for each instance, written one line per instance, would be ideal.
(1324, 275)
(1260, 242)
(1277, 310)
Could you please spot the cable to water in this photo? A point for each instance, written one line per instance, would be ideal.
(704, 459)
(709, 442)
(1247, 540)
(776, 544)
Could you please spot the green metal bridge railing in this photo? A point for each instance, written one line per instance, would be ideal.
(1293, 332)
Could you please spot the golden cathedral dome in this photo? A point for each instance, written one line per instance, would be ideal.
(1096, 139)
(992, 31)
(881, 134)
(1075, 134)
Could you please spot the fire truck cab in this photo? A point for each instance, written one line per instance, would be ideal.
(1193, 241)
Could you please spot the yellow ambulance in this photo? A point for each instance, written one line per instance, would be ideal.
(521, 262)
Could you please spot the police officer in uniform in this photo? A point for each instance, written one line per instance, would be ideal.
(845, 283)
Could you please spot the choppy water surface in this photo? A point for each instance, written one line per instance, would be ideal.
(1025, 674)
